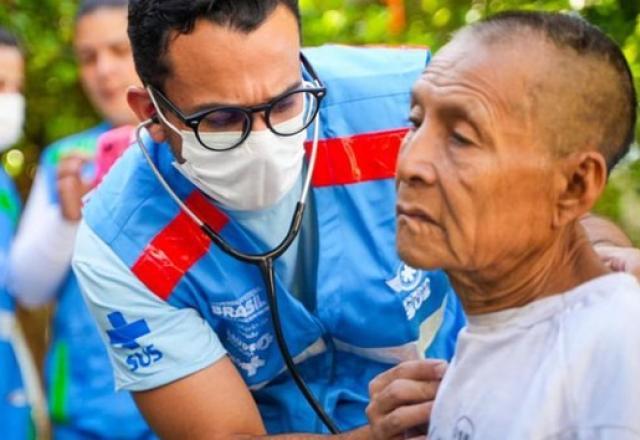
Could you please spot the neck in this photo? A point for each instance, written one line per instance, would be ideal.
(566, 263)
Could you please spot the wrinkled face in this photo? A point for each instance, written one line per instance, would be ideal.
(475, 184)
(11, 70)
(217, 66)
(106, 63)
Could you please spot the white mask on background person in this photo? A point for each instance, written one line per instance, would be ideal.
(12, 107)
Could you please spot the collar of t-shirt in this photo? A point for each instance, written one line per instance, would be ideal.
(542, 309)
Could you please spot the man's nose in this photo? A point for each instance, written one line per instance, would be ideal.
(417, 158)
(105, 64)
(259, 121)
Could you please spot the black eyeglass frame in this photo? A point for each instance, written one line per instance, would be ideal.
(193, 121)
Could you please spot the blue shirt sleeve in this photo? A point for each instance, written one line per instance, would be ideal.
(150, 342)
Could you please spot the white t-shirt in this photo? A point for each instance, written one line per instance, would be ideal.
(563, 367)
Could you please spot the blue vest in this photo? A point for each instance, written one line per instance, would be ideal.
(78, 375)
(15, 411)
(370, 310)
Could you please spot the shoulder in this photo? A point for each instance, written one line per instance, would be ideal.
(368, 89)
(336, 63)
(608, 310)
(84, 142)
(602, 319)
(601, 343)
(91, 250)
(130, 207)
(96, 262)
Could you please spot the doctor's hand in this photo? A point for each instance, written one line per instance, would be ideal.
(401, 399)
(620, 259)
(72, 186)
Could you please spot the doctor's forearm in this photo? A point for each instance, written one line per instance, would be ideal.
(358, 434)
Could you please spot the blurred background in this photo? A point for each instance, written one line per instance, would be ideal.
(56, 106)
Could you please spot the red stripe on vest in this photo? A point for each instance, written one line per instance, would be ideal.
(177, 247)
(360, 158)
(181, 243)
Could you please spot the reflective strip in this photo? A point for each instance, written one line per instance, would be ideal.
(171, 253)
(386, 355)
(314, 349)
(7, 323)
(359, 158)
(430, 327)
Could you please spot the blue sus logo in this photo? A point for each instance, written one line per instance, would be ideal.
(125, 335)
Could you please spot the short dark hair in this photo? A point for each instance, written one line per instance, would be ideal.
(9, 39)
(90, 6)
(151, 22)
(609, 105)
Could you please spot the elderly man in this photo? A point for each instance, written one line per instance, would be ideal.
(516, 124)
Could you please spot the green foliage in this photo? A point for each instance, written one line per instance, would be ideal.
(57, 106)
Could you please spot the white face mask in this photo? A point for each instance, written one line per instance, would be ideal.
(253, 176)
(12, 107)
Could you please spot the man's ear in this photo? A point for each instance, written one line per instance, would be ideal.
(584, 176)
(140, 103)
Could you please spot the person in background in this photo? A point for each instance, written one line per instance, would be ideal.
(506, 155)
(15, 409)
(78, 378)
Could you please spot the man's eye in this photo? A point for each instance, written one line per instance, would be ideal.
(414, 122)
(284, 105)
(460, 140)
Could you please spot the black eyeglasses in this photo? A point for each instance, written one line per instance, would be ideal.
(225, 127)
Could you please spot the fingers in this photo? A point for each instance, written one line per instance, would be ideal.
(403, 420)
(617, 258)
(405, 392)
(72, 165)
(402, 398)
(71, 186)
(420, 370)
(615, 264)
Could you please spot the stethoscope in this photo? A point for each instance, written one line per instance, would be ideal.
(264, 261)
